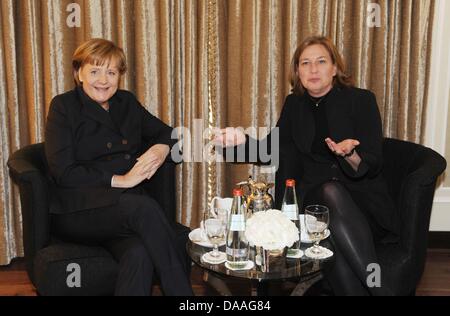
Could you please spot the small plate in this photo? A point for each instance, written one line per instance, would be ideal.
(250, 264)
(304, 236)
(199, 238)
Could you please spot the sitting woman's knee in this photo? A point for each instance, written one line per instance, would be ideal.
(137, 253)
(331, 189)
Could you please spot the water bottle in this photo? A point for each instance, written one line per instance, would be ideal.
(237, 245)
(290, 208)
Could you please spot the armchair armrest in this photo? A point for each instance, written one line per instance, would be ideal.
(416, 197)
(25, 166)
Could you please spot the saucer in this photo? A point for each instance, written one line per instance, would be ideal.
(299, 253)
(199, 238)
(212, 260)
(304, 237)
(326, 253)
(250, 264)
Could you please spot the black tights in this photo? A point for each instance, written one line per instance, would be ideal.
(354, 247)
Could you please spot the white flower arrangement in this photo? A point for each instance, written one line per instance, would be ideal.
(271, 230)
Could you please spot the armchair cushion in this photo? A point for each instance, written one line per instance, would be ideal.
(98, 270)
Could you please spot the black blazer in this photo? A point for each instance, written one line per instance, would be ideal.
(86, 145)
(351, 113)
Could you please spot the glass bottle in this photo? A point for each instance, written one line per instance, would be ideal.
(290, 208)
(237, 245)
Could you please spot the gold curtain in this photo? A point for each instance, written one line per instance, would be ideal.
(165, 42)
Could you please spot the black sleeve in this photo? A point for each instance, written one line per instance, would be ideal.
(60, 153)
(154, 131)
(368, 131)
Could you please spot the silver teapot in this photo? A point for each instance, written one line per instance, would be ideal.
(256, 195)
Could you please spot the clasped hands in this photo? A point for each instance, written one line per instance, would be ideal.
(144, 168)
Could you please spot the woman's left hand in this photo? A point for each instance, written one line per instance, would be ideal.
(153, 158)
(343, 148)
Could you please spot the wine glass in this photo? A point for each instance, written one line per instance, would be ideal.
(316, 222)
(223, 215)
(215, 230)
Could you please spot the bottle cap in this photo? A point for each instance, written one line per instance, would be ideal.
(237, 192)
(290, 182)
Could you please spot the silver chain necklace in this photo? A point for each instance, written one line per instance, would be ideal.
(317, 102)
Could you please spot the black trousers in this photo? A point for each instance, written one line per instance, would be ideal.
(353, 241)
(138, 235)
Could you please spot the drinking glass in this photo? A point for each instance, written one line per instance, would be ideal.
(316, 222)
(215, 230)
(223, 214)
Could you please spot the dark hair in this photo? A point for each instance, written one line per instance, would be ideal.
(97, 51)
(341, 79)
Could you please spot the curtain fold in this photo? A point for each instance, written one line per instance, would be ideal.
(165, 42)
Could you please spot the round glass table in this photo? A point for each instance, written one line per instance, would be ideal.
(304, 271)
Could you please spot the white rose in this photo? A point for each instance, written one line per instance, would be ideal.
(271, 230)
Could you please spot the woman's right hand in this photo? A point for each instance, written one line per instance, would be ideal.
(136, 175)
(229, 136)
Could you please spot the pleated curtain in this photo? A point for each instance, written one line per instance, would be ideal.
(204, 63)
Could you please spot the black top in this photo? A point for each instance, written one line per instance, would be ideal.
(297, 151)
(322, 131)
(86, 145)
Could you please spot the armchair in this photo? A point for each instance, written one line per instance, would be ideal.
(47, 257)
(410, 171)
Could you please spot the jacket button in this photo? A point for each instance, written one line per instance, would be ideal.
(127, 156)
(124, 141)
(109, 145)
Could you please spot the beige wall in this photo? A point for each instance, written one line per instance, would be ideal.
(437, 129)
(447, 144)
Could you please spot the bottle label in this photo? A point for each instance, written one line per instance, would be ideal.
(237, 223)
(291, 211)
(236, 254)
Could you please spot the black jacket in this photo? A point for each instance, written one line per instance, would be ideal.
(351, 113)
(86, 145)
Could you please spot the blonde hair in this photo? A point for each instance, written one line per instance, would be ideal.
(97, 51)
(340, 79)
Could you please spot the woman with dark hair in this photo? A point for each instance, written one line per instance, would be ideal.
(330, 140)
(95, 142)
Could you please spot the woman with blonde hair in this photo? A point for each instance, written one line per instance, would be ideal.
(95, 142)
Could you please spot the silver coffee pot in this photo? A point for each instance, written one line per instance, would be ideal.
(256, 194)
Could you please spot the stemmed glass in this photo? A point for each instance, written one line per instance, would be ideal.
(316, 222)
(223, 215)
(215, 230)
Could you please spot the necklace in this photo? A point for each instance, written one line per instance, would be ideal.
(317, 100)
